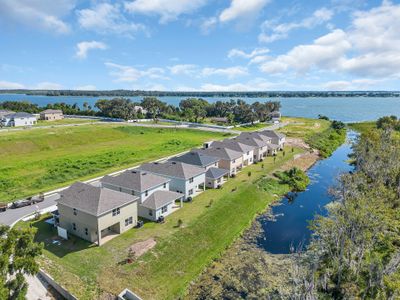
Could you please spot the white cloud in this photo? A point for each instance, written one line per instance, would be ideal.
(88, 87)
(183, 69)
(369, 48)
(208, 24)
(43, 14)
(240, 53)
(258, 84)
(242, 9)
(270, 31)
(352, 85)
(123, 73)
(106, 18)
(168, 10)
(48, 86)
(11, 85)
(230, 72)
(82, 48)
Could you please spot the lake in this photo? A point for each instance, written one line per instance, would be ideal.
(290, 228)
(346, 109)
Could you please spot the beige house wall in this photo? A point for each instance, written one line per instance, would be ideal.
(51, 117)
(231, 165)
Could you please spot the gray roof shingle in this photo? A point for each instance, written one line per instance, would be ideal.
(93, 200)
(251, 140)
(173, 169)
(161, 198)
(272, 134)
(196, 158)
(51, 111)
(220, 152)
(215, 173)
(135, 180)
(233, 145)
(19, 115)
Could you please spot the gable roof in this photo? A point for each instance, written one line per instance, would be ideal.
(19, 115)
(272, 134)
(234, 145)
(215, 173)
(220, 152)
(173, 169)
(93, 200)
(251, 140)
(135, 180)
(196, 158)
(256, 135)
(159, 199)
(51, 111)
(5, 112)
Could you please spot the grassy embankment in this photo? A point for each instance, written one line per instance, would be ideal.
(253, 127)
(316, 133)
(43, 159)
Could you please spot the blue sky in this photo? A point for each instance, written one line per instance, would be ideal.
(241, 45)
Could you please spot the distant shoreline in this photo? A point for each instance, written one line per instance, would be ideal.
(266, 94)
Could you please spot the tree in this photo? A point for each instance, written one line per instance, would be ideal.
(18, 253)
(153, 106)
(117, 108)
(194, 107)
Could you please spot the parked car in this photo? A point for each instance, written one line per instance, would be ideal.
(3, 206)
(21, 203)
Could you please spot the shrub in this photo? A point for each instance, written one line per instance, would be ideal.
(295, 178)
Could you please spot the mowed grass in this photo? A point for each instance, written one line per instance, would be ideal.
(303, 127)
(210, 224)
(66, 121)
(39, 160)
(253, 127)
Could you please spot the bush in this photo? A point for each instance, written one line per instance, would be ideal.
(327, 141)
(295, 178)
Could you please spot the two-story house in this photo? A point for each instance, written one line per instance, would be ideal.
(185, 179)
(277, 138)
(215, 177)
(155, 198)
(51, 115)
(260, 146)
(246, 150)
(229, 159)
(96, 214)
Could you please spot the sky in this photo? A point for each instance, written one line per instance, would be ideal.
(200, 45)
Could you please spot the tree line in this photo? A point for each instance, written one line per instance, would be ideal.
(190, 109)
(355, 250)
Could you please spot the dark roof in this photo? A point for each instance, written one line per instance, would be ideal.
(135, 180)
(51, 111)
(19, 115)
(215, 173)
(5, 112)
(256, 135)
(220, 152)
(272, 134)
(93, 200)
(234, 145)
(196, 158)
(251, 140)
(173, 169)
(159, 199)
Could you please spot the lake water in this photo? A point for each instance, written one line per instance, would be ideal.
(290, 229)
(346, 109)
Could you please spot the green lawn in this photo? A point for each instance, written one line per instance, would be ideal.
(43, 159)
(363, 126)
(253, 127)
(303, 127)
(64, 122)
(180, 254)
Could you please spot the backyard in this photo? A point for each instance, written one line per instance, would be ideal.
(39, 160)
(210, 224)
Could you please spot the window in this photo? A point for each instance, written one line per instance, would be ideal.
(146, 193)
(248, 152)
(150, 212)
(219, 180)
(86, 231)
(233, 161)
(165, 185)
(128, 221)
(75, 212)
(73, 226)
(115, 211)
(215, 164)
(164, 209)
(191, 192)
(191, 180)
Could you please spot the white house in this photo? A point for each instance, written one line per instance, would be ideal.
(18, 119)
(185, 179)
(246, 150)
(155, 198)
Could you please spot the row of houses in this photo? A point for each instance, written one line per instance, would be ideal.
(16, 119)
(154, 190)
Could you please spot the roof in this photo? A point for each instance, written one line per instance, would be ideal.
(19, 115)
(93, 200)
(135, 180)
(234, 145)
(159, 199)
(251, 140)
(220, 152)
(51, 111)
(257, 135)
(5, 112)
(173, 169)
(272, 134)
(196, 158)
(216, 173)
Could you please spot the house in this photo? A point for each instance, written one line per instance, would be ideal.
(51, 115)
(277, 138)
(185, 179)
(228, 159)
(215, 176)
(96, 214)
(252, 139)
(155, 198)
(275, 117)
(18, 119)
(140, 109)
(246, 150)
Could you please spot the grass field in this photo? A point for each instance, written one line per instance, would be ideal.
(64, 122)
(180, 254)
(303, 127)
(43, 159)
(253, 127)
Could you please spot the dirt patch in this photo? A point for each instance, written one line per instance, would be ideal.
(303, 161)
(296, 142)
(140, 248)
